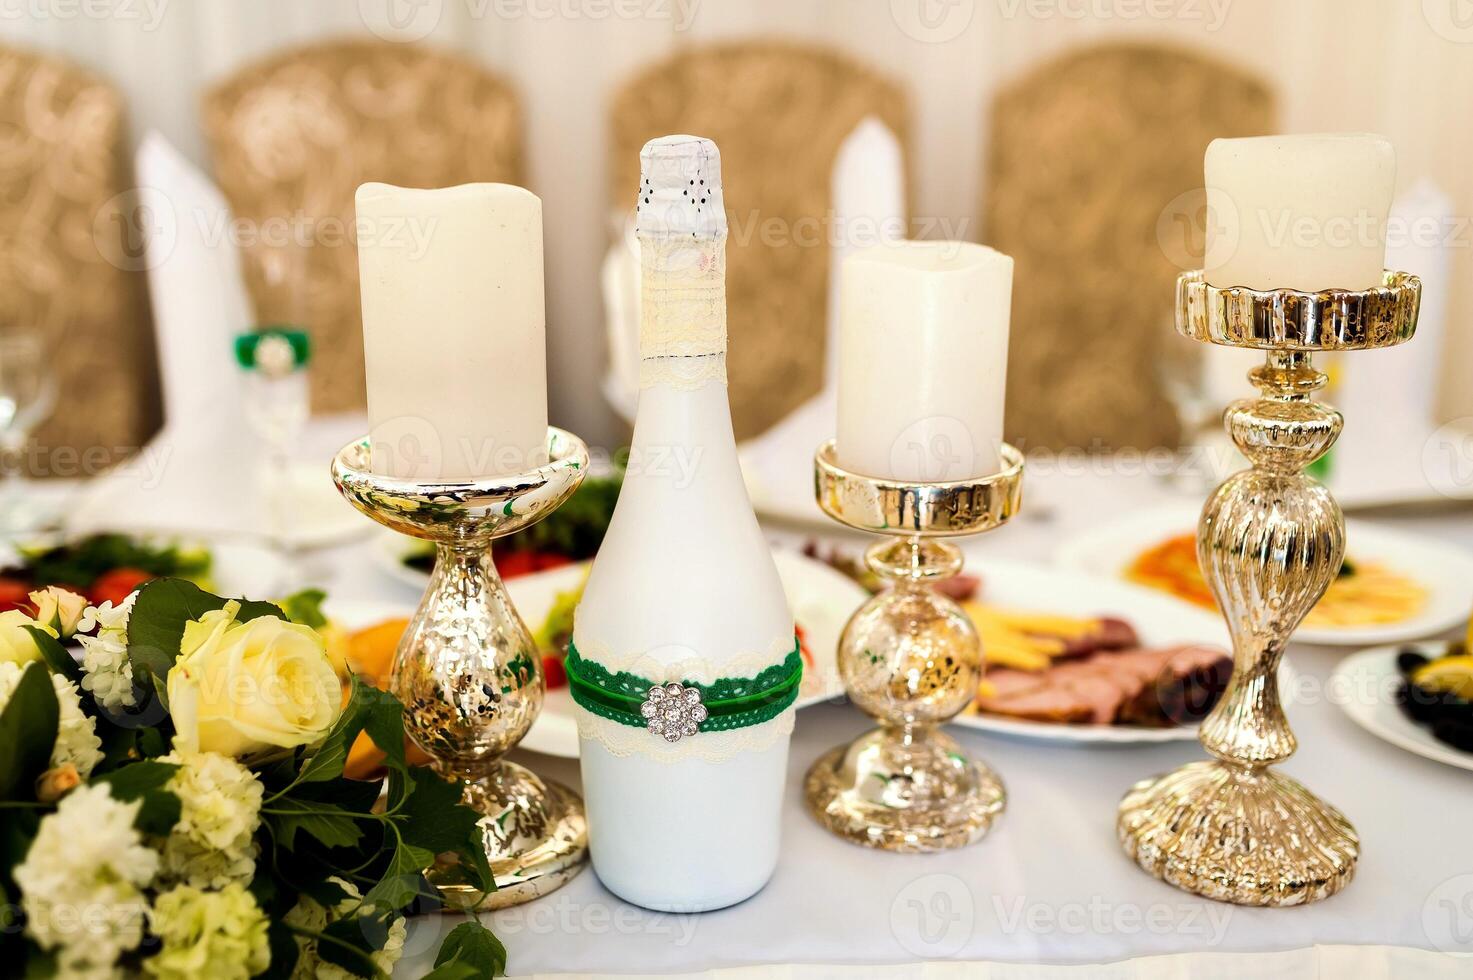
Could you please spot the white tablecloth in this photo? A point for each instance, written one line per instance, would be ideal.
(1050, 884)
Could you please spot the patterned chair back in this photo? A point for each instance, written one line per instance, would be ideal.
(779, 112)
(72, 260)
(1094, 187)
(293, 137)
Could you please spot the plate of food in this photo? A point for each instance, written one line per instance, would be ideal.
(821, 599)
(1392, 587)
(1072, 657)
(108, 566)
(1418, 697)
(568, 535)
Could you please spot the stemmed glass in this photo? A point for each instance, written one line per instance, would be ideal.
(27, 397)
(276, 408)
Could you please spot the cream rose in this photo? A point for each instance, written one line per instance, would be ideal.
(16, 645)
(59, 609)
(251, 690)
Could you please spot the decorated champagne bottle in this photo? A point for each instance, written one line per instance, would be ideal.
(683, 663)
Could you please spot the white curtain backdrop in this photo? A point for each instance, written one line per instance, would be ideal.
(1403, 68)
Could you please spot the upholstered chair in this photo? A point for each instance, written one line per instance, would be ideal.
(292, 137)
(1094, 186)
(72, 227)
(781, 113)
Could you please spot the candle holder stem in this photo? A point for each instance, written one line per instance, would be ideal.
(1270, 541)
(468, 671)
(911, 658)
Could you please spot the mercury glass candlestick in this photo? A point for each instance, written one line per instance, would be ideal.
(1270, 541)
(912, 659)
(467, 669)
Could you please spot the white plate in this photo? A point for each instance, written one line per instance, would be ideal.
(1158, 619)
(238, 567)
(1368, 681)
(1447, 572)
(821, 599)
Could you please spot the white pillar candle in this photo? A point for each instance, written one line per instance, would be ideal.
(454, 331)
(923, 351)
(1298, 212)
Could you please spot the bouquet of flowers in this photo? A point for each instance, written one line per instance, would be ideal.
(175, 804)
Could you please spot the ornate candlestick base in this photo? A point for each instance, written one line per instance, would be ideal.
(467, 669)
(1270, 542)
(912, 659)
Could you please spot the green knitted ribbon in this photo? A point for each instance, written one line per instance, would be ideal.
(730, 702)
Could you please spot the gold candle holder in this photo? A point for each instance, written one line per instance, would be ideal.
(911, 658)
(1270, 541)
(467, 669)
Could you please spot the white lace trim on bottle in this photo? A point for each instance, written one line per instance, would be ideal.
(622, 741)
(682, 327)
(665, 664)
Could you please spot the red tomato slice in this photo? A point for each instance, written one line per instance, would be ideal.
(15, 594)
(553, 671)
(117, 585)
(515, 563)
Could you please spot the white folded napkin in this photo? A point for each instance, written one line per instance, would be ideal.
(197, 291)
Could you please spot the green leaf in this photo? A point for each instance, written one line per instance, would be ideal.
(403, 879)
(327, 762)
(471, 950)
(28, 728)
(305, 607)
(385, 726)
(118, 745)
(40, 965)
(158, 814)
(330, 825)
(432, 817)
(152, 743)
(163, 607)
(356, 937)
(55, 655)
(137, 779)
(145, 781)
(284, 951)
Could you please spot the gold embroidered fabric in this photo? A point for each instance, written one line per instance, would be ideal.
(779, 112)
(294, 136)
(72, 260)
(1093, 186)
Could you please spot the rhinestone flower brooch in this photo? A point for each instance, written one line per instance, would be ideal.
(673, 711)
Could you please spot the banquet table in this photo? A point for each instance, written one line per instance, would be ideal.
(1049, 885)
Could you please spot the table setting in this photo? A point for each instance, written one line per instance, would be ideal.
(440, 690)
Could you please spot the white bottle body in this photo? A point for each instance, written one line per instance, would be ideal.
(684, 572)
(688, 836)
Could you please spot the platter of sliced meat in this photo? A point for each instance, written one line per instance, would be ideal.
(1077, 658)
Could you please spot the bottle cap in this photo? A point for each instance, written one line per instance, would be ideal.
(680, 189)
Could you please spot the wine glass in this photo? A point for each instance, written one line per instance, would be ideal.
(276, 407)
(27, 397)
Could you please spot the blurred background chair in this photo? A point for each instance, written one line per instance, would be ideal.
(292, 137)
(791, 121)
(1084, 151)
(71, 270)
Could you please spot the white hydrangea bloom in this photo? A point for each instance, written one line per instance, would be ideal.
(76, 736)
(212, 845)
(82, 881)
(107, 672)
(220, 934)
(308, 914)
